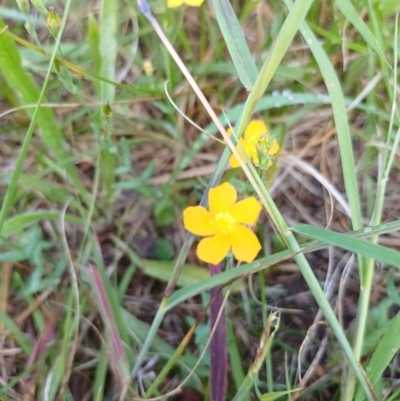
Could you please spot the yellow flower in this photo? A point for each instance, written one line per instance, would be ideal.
(177, 3)
(223, 225)
(255, 141)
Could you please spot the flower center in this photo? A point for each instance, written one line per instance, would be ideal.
(225, 222)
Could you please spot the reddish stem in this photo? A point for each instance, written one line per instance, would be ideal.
(218, 345)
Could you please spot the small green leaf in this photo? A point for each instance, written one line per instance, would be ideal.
(164, 249)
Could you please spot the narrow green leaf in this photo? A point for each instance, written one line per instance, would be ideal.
(353, 16)
(235, 359)
(108, 47)
(276, 395)
(19, 336)
(162, 271)
(384, 353)
(236, 42)
(93, 38)
(345, 241)
(18, 223)
(225, 277)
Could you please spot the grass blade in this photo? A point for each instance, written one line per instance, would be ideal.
(236, 42)
(345, 241)
(384, 353)
(353, 16)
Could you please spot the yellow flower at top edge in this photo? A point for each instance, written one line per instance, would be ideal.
(177, 3)
(254, 140)
(223, 226)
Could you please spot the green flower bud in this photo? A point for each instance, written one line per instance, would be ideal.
(107, 110)
(53, 21)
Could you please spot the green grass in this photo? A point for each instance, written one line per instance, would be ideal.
(102, 296)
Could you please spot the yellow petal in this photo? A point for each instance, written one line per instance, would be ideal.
(252, 153)
(233, 161)
(194, 3)
(229, 132)
(254, 131)
(274, 149)
(214, 249)
(221, 198)
(174, 3)
(246, 211)
(245, 244)
(199, 221)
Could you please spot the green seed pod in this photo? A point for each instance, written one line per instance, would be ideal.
(53, 21)
(107, 110)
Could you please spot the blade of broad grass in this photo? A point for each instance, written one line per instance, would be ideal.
(108, 47)
(93, 35)
(277, 394)
(225, 278)
(344, 241)
(265, 344)
(13, 72)
(384, 353)
(351, 14)
(108, 57)
(236, 42)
